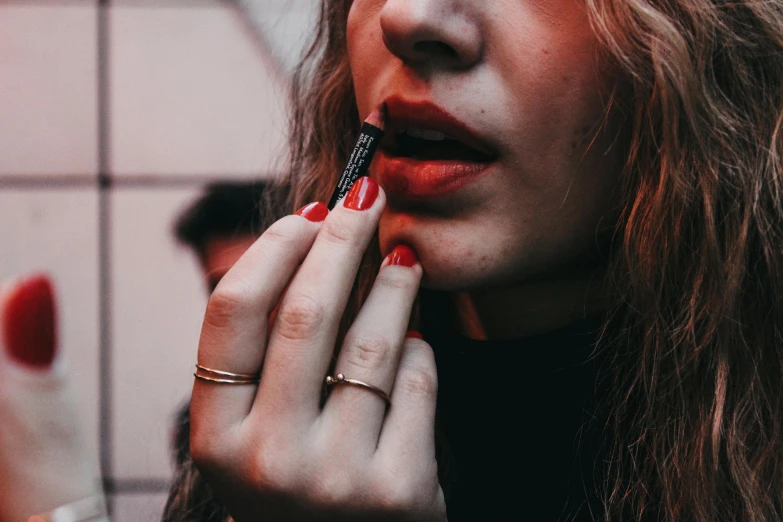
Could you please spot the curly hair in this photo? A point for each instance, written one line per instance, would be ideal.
(694, 329)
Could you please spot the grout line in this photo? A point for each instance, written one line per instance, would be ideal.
(149, 181)
(125, 486)
(81, 4)
(152, 180)
(47, 182)
(104, 243)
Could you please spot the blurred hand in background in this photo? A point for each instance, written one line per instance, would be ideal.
(44, 460)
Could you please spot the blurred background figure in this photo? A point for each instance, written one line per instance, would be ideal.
(221, 225)
(218, 227)
(115, 117)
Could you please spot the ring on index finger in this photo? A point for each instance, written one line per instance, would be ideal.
(219, 376)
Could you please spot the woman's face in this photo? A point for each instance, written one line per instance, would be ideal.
(520, 192)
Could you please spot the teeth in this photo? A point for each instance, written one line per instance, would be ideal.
(425, 134)
(433, 135)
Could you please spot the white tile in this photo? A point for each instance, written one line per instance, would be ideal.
(193, 93)
(140, 507)
(157, 306)
(48, 88)
(286, 26)
(56, 232)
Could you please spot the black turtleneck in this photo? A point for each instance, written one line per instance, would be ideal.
(519, 428)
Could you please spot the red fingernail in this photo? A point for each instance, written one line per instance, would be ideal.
(315, 212)
(413, 334)
(362, 195)
(29, 323)
(402, 255)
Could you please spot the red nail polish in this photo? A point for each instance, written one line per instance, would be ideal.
(402, 255)
(413, 334)
(29, 323)
(362, 195)
(315, 212)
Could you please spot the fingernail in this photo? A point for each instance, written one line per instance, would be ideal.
(315, 212)
(413, 334)
(402, 255)
(29, 323)
(362, 195)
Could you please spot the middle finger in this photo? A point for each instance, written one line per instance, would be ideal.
(302, 341)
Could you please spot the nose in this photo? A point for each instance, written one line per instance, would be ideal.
(440, 33)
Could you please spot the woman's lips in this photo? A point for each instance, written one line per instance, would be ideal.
(418, 179)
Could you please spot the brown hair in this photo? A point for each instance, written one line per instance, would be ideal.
(694, 335)
(696, 328)
(699, 360)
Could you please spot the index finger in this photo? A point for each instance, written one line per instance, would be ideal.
(234, 332)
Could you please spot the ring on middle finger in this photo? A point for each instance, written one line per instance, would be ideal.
(341, 379)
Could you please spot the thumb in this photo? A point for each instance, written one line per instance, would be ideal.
(43, 458)
(29, 322)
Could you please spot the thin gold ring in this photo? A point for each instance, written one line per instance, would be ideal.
(219, 376)
(226, 381)
(229, 374)
(341, 379)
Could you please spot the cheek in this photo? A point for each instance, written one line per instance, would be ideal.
(552, 73)
(366, 50)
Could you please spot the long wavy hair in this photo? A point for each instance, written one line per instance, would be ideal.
(694, 331)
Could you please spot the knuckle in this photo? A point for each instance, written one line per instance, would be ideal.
(225, 304)
(300, 317)
(396, 496)
(396, 280)
(418, 381)
(283, 232)
(368, 352)
(268, 475)
(331, 490)
(340, 229)
(272, 469)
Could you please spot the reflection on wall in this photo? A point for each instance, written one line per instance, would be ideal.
(110, 125)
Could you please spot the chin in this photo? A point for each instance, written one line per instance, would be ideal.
(452, 259)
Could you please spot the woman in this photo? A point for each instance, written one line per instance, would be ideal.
(614, 179)
(599, 249)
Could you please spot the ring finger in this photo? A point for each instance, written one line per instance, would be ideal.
(371, 352)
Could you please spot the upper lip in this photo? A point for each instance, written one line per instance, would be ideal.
(405, 114)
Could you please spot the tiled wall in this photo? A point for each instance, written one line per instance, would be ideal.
(113, 115)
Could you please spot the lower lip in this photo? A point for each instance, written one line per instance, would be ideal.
(411, 178)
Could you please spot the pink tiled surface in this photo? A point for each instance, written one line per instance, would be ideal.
(56, 232)
(193, 94)
(138, 507)
(48, 89)
(158, 301)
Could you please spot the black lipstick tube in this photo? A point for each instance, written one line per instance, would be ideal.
(359, 161)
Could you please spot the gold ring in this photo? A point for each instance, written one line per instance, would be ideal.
(220, 376)
(341, 379)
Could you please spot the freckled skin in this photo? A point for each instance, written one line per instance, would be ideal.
(535, 85)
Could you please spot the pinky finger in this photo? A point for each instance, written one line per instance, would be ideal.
(410, 424)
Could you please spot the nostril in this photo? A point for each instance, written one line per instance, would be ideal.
(434, 47)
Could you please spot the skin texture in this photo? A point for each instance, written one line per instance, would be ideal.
(525, 75)
(269, 450)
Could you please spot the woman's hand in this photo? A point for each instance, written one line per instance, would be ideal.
(269, 450)
(44, 462)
